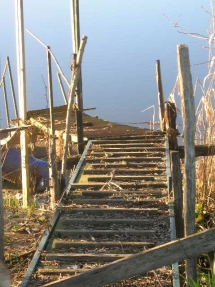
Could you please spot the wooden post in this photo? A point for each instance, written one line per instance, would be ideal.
(76, 44)
(12, 88)
(170, 120)
(62, 88)
(177, 193)
(74, 82)
(6, 103)
(1, 214)
(188, 115)
(53, 178)
(160, 96)
(22, 98)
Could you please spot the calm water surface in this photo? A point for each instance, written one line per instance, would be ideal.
(125, 38)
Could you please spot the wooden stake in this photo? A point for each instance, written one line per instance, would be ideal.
(188, 116)
(160, 96)
(53, 179)
(74, 82)
(22, 98)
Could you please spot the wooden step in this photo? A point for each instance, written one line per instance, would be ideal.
(102, 232)
(106, 221)
(124, 171)
(125, 159)
(125, 153)
(61, 271)
(104, 178)
(122, 145)
(71, 257)
(128, 149)
(97, 185)
(124, 164)
(113, 201)
(61, 243)
(113, 211)
(143, 193)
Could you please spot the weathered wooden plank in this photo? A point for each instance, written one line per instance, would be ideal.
(125, 159)
(129, 149)
(124, 164)
(125, 170)
(125, 153)
(112, 201)
(122, 145)
(200, 150)
(104, 178)
(122, 184)
(60, 243)
(73, 257)
(102, 232)
(146, 140)
(110, 210)
(62, 271)
(139, 193)
(106, 221)
(143, 262)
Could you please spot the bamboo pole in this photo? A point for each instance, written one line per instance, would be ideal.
(76, 44)
(12, 88)
(62, 88)
(74, 82)
(22, 98)
(53, 179)
(160, 96)
(6, 103)
(188, 116)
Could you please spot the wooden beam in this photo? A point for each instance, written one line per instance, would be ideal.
(200, 150)
(189, 123)
(143, 262)
(1, 215)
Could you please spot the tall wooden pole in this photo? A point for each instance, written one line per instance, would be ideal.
(22, 98)
(76, 44)
(53, 178)
(160, 96)
(189, 123)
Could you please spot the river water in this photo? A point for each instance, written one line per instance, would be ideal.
(125, 38)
